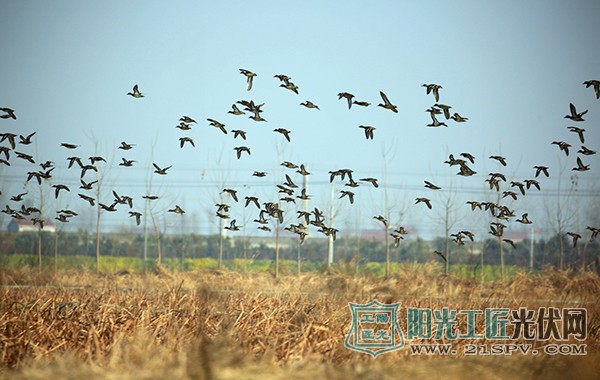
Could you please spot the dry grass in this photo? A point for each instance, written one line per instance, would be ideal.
(220, 324)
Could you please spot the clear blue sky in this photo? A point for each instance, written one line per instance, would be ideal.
(511, 67)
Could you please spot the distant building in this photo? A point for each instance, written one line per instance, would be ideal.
(26, 225)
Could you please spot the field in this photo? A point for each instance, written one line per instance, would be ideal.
(226, 324)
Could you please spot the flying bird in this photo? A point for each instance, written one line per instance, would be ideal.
(58, 188)
(231, 192)
(125, 146)
(69, 146)
(235, 110)
(575, 236)
(348, 97)
(348, 194)
(240, 149)
(440, 254)
(585, 151)
(137, 216)
(9, 113)
(579, 132)
(563, 146)
(368, 131)
(500, 159)
(26, 140)
(595, 84)
(161, 171)
(386, 103)
(575, 116)
(371, 180)
(427, 201)
(284, 132)
(249, 76)
(459, 119)
(433, 88)
(309, 104)
(541, 169)
(177, 210)
(580, 166)
(136, 92)
(183, 140)
(240, 133)
(431, 186)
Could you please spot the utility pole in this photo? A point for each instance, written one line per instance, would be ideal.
(531, 251)
(331, 218)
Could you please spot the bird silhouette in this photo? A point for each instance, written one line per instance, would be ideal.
(580, 166)
(500, 159)
(431, 186)
(585, 151)
(440, 254)
(427, 201)
(303, 170)
(445, 108)
(563, 146)
(159, 170)
(348, 194)
(469, 157)
(541, 169)
(232, 226)
(240, 133)
(459, 119)
(575, 236)
(240, 149)
(595, 84)
(575, 116)
(9, 113)
(348, 97)
(532, 182)
(252, 200)
(137, 216)
(309, 104)
(371, 180)
(433, 88)
(284, 132)
(136, 92)
(183, 140)
(125, 146)
(249, 77)
(58, 188)
(524, 219)
(232, 193)
(386, 103)
(87, 198)
(187, 120)
(217, 124)
(579, 132)
(177, 210)
(368, 131)
(510, 242)
(126, 163)
(235, 110)
(26, 140)
(69, 146)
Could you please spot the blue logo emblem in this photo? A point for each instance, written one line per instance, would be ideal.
(375, 329)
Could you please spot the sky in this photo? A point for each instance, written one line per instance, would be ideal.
(511, 68)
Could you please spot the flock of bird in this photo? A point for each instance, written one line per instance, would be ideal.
(271, 210)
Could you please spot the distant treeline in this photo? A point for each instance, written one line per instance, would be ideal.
(347, 249)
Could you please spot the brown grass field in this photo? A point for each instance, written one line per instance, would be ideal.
(230, 325)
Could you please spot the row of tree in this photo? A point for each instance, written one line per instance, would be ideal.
(488, 252)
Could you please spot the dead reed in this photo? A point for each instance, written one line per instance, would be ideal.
(218, 324)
